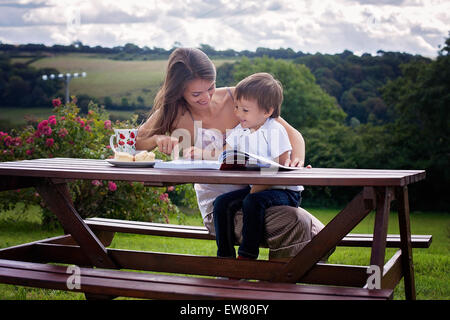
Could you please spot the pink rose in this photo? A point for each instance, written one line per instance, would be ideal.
(107, 124)
(164, 197)
(56, 102)
(43, 128)
(17, 141)
(52, 120)
(63, 132)
(29, 152)
(42, 124)
(170, 188)
(96, 183)
(49, 142)
(88, 128)
(8, 141)
(29, 140)
(112, 186)
(47, 131)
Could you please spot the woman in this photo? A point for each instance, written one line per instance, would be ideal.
(189, 106)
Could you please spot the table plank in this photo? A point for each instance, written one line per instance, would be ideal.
(67, 168)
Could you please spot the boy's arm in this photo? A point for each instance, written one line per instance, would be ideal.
(297, 158)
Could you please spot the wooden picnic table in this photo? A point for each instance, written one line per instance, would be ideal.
(85, 242)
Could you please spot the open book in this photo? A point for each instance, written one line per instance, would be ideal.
(228, 160)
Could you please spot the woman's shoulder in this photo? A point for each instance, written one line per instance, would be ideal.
(224, 94)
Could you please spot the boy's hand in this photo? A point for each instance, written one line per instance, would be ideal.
(296, 162)
(258, 188)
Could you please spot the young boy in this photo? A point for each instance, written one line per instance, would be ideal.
(258, 101)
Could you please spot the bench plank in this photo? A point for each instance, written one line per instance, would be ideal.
(197, 232)
(156, 286)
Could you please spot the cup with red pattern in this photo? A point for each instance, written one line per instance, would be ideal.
(124, 140)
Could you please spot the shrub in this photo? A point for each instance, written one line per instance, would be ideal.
(67, 134)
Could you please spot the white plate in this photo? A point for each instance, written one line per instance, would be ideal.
(133, 164)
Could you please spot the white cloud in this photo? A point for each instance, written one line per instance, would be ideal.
(415, 26)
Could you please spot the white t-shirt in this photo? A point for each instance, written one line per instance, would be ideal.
(269, 141)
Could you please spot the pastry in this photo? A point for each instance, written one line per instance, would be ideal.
(123, 156)
(144, 156)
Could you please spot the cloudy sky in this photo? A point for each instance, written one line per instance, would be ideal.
(326, 26)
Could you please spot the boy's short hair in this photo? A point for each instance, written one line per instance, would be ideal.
(265, 89)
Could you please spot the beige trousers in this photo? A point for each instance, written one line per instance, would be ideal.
(288, 229)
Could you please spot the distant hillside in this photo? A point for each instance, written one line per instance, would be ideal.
(127, 77)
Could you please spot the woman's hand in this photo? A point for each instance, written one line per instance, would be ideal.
(166, 144)
(193, 153)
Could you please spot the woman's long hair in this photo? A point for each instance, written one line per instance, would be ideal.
(184, 65)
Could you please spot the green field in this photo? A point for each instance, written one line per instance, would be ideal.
(114, 78)
(432, 265)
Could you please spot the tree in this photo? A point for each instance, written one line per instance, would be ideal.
(305, 103)
(421, 133)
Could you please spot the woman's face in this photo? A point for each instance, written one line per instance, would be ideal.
(198, 92)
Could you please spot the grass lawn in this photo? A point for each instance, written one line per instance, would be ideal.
(432, 266)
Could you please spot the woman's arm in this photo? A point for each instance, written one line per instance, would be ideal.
(298, 145)
(145, 141)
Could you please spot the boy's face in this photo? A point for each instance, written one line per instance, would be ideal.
(250, 115)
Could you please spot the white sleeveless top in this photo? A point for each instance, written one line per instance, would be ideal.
(207, 193)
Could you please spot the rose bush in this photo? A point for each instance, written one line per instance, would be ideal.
(68, 134)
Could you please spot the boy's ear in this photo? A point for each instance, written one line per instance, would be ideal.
(268, 114)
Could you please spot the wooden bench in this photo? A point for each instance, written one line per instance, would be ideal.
(197, 232)
(103, 282)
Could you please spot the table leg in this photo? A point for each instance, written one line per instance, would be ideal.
(328, 237)
(405, 242)
(384, 197)
(57, 198)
